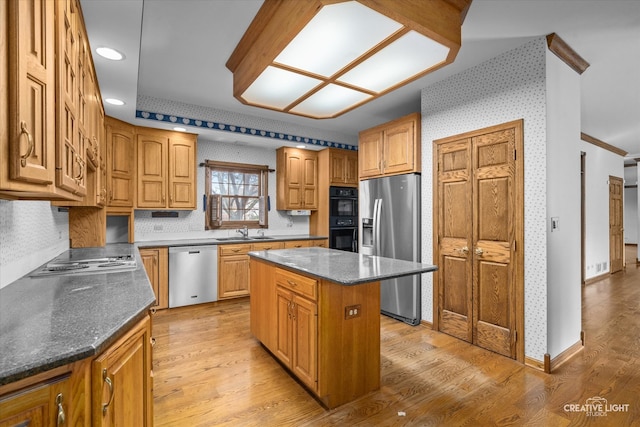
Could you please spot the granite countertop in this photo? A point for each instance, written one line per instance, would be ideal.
(346, 268)
(227, 240)
(49, 321)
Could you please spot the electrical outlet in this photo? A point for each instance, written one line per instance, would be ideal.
(352, 311)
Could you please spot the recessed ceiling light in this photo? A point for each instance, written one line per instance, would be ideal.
(300, 146)
(114, 101)
(179, 129)
(109, 53)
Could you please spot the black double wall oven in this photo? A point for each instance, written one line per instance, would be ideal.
(343, 218)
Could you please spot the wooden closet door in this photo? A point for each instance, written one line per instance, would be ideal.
(455, 238)
(494, 213)
(616, 229)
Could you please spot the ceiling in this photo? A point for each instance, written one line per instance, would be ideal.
(177, 49)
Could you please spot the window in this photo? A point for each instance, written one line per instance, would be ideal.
(236, 195)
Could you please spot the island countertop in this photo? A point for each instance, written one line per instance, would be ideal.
(345, 268)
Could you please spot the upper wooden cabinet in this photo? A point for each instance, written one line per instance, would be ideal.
(120, 163)
(390, 149)
(343, 167)
(297, 179)
(48, 74)
(166, 170)
(27, 122)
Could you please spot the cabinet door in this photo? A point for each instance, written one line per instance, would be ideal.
(337, 167)
(297, 176)
(369, 154)
(351, 168)
(310, 180)
(70, 140)
(120, 163)
(399, 141)
(292, 244)
(283, 348)
(182, 172)
(152, 171)
(155, 261)
(304, 334)
(121, 378)
(44, 404)
(233, 276)
(31, 127)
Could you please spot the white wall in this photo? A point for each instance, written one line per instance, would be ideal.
(564, 288)
(600, 164)
(631, 215)
(190, 224)
(31, 233)
(508, 87)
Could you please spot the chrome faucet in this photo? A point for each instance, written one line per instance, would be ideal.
(244, 231)
(261, 232)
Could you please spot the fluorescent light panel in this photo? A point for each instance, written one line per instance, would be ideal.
(278, 88)
(408, 56)
(330, 100)
(335, 37)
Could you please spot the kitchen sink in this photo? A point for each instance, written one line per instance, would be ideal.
(261, 238)
(222, 239)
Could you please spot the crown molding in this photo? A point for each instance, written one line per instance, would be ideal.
(563, 51)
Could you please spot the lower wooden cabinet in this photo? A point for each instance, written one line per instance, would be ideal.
(43, 404)
(233, 267)
(297, 328)
(121, 380)
(156, 264)
(233, 271)
(112, 389)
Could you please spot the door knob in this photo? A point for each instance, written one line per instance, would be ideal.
(464, 250)
(479, 251)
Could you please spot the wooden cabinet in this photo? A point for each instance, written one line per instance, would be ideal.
(166, 170)
(297, 179)
(43, 404)
(71, 52)
(297, 326)
(343, 168)
(121, 380)
(47, 123)
(156, 261)
(320, 243)
(391, 148)
(311, 327)
(27, 76)
(233, 271)
(120, 163)
(112, 389)
(60, 396)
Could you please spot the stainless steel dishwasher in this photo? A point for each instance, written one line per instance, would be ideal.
(193, 275)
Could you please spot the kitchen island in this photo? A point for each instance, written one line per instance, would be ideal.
(317, 311)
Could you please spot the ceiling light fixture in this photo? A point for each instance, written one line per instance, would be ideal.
(322, 58)
(179, 129)
(109, 53)
(114, 101)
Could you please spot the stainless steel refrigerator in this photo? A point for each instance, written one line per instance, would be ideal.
(390, 227)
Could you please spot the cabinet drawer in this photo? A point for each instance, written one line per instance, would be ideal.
(292, 244)
(226, 250)
(265, 246)
(299, 284)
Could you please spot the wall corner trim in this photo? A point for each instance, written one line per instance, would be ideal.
(566, 53)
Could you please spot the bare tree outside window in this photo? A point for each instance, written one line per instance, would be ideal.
(236, 195)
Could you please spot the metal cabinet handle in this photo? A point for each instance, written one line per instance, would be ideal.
(107, 380)
(153, 341)
(81, 164)
(464, 250)
(291, 283)
(479, 251)
(25, 156)
(61, 416)
(289, 309)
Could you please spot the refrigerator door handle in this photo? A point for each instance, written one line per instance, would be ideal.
(376, 227)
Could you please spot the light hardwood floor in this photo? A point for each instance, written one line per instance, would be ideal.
(210, 371)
